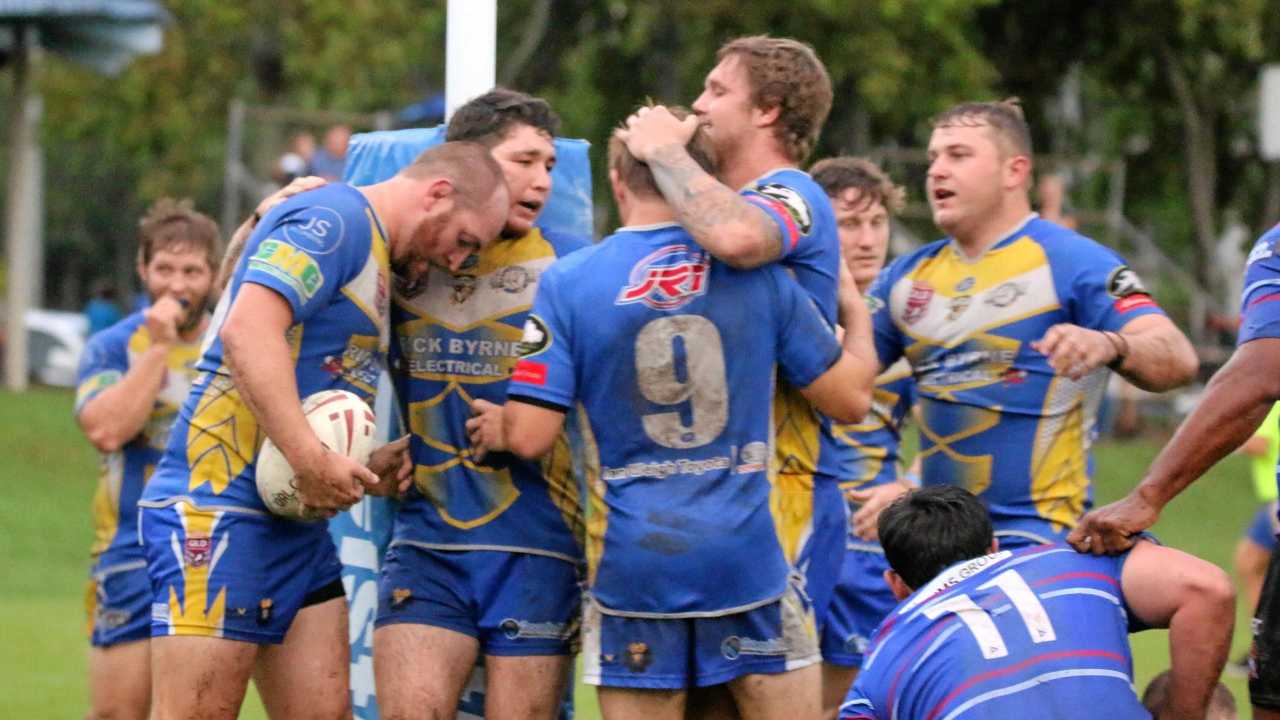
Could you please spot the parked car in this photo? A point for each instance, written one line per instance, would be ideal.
(55, 340)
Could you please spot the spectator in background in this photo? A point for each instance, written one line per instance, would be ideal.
(327, 161)
(1051, 194)
(294, 162)
(102, 310)
(1259, 540)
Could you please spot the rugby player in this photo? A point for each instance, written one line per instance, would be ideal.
(1036, 632)
(1236, 400)
(133, 376)
(864, 200)
(688, 584)
(763, 106)
(238, 592)
(1010, 324)
(485, 551)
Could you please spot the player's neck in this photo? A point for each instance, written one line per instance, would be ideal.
(381, 198)
(977, 240)
(648, 212)
(752, 160)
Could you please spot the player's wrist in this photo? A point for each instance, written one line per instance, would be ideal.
(1119, 348)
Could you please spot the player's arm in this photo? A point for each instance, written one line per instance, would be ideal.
(235, 247)
(1235, 402)
(1149, 351)
(530, 430)
(1164, 587)
(722, 221)
(256, 351)
(117, 414)
(844, 391)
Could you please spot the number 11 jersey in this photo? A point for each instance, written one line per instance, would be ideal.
(671, 356)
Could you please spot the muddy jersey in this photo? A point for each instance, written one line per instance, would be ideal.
(456, 340)
(123, 473)
(324, 252)
(670, 356)
(996, 419)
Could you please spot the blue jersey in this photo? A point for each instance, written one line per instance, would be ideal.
(324, 252)
(1259, 309)
(996, 420)
(877, 439)
(106, 359)
(1040, 632)
(670, 355)
(455, 341)
(806, 443)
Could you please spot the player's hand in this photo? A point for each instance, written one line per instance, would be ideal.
(850, 304)
(1075, 351)
(333, 482)
(394, 467)
(299, 185)
(1114, 528)
(163, 318)
(651, 128)
(873, 501)
(484, 428)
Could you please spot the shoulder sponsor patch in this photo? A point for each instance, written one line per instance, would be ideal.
(530, 373)
(1123, 282)
(668, 278)
(1262, 250)
(317, 230)
(535, 338)
(94, 385)
(290, 265)
(791, 202)
(1133, 302)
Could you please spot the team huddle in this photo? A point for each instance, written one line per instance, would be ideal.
(675, 451)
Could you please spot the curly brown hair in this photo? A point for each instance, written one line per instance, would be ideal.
(786, 74)
(174, 224)
(838, 174)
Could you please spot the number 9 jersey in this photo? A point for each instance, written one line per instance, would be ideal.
(671, 356)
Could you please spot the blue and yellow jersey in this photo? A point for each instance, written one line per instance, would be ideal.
(670, 355)
(1039, 632)
(324, 252)
(806, 442)
(457, 340)
(995, 418)
(122, 475)
(877, 439)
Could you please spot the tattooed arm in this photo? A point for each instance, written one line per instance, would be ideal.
(721, 220)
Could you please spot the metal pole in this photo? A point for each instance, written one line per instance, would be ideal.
(471, 39)
(231, 177)
(22, 215)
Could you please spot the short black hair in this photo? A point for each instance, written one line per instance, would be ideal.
(930, 529)
(488, 118)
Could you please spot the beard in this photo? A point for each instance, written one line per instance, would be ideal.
(195, 315)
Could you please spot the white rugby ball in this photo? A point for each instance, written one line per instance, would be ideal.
(344, 424)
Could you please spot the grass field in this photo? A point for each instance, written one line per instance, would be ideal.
(44, 535)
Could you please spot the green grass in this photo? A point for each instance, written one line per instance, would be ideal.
(49, 472)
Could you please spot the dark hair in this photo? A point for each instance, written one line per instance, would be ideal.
(786, 74)
(1222, 705)
(930, 529)
(475, 175)
(171, 224)
(638, 177)
(1005, 119)
(488, 118)
(838, 174)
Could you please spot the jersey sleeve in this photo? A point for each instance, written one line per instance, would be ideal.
(545, 374)
(1259, 309)
(1102, 292)
(807, 346)
(789, 205)
(857, 704)
(102, 364)
(888, 338)
(305, 255)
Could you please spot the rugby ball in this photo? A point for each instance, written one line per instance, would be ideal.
(344, 424)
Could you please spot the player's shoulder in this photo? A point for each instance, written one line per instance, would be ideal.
(1266, 248)
(563, 243)
(572, 264)
(319, 221)
(1062, 245)
(797, 192)
(904, 264)
(118, 334)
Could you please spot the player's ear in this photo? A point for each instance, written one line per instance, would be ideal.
(1018, 172)
(439, 190)
(766, 116)
(896, 585)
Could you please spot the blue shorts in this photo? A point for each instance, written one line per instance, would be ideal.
(862, 599)
(233, 575)
(1262, 530)
(118, 600)
(822, 554)
(679, 653)
(514, 604)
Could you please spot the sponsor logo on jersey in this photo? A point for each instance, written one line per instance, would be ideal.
(1133, 302)
(534, 338)
(753, 457)
(530, 373)
(464, 286)
(112, 618)
(195, 550)
(874, 303)
(957, 305)
(667, 278)
(512, 279)
(317, 230)
(917, 302)
(790, 202)
(89, 389)
(1005, 295)
(290, 265)
(638, 657)
(966, 284)
(1262, 250)
(1123, 282)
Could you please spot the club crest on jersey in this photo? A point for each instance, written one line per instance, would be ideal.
(195, 550)
(917, 302)
(667, 279)
(534, 338)
(1123, 282)
(791, 201)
